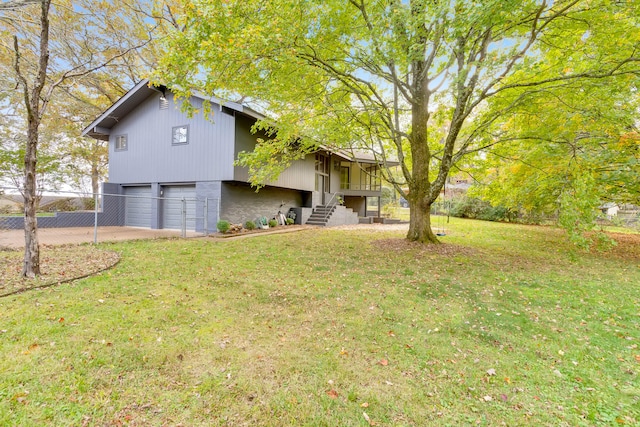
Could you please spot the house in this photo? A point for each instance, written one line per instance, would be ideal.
(609, 209)
(175, 169)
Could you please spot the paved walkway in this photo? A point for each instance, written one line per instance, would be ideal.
(14, 239)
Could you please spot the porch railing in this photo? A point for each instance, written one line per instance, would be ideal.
(361, 187)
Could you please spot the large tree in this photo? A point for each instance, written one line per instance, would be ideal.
(404, 78)
(565, 152)
(44, 47)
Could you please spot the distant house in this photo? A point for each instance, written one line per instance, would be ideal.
(158, 157)
(610, 209)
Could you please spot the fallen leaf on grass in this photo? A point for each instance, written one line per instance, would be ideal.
(31, 348)
(332, 394)
(383, 362)
(366, 417)
(21, 397)
(491, 372)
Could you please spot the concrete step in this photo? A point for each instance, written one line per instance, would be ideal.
(321, 215)
(318, 223)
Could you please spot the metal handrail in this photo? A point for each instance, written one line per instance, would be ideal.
(334, 199)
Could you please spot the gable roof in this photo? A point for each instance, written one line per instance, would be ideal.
(361, 156)
(101, 127)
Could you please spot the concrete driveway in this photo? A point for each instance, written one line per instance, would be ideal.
(14, 239)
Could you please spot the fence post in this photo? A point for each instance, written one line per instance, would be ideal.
(183, 232)
(95, 219)
(206, 216)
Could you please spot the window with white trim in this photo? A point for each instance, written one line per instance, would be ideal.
(180, 135)
(121, 142)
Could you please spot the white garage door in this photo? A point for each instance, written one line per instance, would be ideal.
(172, 206)
(137, 212)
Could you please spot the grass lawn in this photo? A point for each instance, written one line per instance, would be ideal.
(503, 325)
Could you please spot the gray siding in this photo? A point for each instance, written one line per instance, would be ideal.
(334, 173)
(150, 155)
(299, 176)
(241, 203)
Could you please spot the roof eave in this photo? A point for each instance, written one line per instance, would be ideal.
(89, 130)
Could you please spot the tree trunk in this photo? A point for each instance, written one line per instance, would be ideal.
(419, 186)
(35, 110)
(420, 224)
(31, 266)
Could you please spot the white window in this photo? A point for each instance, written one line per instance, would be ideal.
(121, 142)
(180, 135)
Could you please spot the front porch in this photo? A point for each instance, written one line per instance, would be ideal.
(345, 190)
(361, 187)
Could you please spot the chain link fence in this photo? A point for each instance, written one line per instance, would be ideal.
(67, 217)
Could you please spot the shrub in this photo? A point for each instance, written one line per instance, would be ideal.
(223, 226)
(290, 221)
(471, 207)
(60, 205)
(273, 223)
(88, 203)
(250, 225)
(389, 210)
(7, 209)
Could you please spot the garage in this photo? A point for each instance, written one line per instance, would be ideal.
(137, 212)
(172, 206)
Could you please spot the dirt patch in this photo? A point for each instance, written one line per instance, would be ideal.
(58, 265)
(402, 244)
(628, 245)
